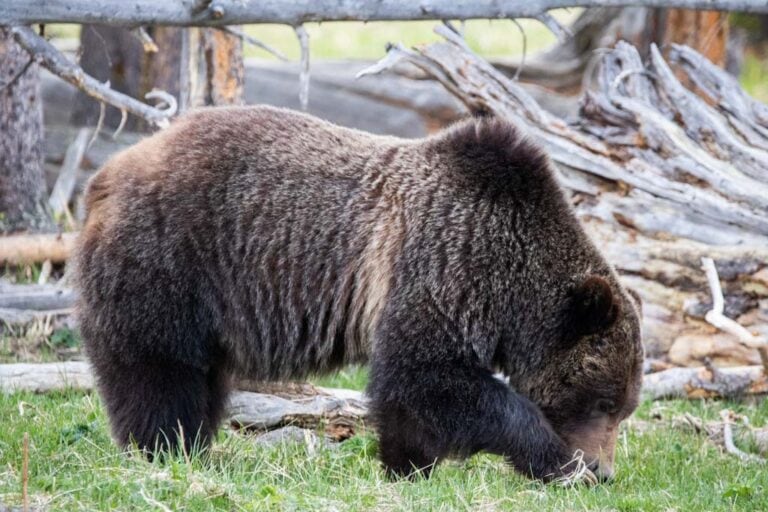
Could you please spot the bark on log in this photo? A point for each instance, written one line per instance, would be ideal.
(706, 383)
(296, 12)
(257, 411)
(704, 31)
(212, 69)
(22, 184)
(36, 297)
(658, 175)
(41, 378)
(25, 249)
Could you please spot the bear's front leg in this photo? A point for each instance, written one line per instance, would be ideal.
(425, 411)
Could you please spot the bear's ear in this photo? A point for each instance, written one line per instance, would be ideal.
(592, 308)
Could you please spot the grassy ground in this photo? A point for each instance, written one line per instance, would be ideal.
(74, 466)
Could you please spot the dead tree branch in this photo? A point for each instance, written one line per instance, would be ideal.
(53, 60)
(296, 12)
(716, 317)
(255, 42)
(705, 382)
(65, 183)
(25, 249)
(303, 37)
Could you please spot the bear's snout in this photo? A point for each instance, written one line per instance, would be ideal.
(595, 439)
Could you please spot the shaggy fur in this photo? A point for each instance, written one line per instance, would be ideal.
(265, 243)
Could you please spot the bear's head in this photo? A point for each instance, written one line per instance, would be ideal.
(593, 378)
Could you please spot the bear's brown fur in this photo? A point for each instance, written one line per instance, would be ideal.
(265, 243)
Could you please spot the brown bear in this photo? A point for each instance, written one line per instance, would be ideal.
(264, 243)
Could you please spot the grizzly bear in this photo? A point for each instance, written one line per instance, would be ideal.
(263, 243)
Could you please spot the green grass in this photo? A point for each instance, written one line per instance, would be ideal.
(73, 465)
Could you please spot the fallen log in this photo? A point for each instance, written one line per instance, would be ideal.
(36, 297)
(25, 249)
(45, 377)
(706, 382)
(338, 417)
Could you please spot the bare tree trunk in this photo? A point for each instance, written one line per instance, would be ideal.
(212, 68)
(22, 183)
(704, 31)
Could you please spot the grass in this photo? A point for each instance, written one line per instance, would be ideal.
(75, 466)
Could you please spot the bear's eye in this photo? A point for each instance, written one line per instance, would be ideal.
(605, 406)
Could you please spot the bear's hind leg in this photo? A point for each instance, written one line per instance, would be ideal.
(158, 404)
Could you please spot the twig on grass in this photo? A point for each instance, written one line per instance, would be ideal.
(727, 416)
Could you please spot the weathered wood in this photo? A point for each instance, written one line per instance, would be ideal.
(266, 412)
(36, 297)
(296, 12)
(565, 66)
(706, 32)
(56, 63)
(67, 179)
(22, 184)
(212, 70)
(115, 55)
(706, 383)
(657, 174)
(25, 249)
(22, 317)
(45, 377)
